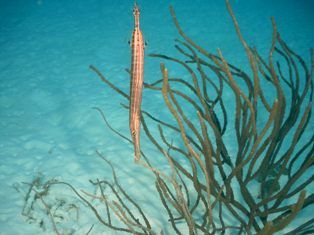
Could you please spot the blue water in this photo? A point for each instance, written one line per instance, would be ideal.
(47, 124)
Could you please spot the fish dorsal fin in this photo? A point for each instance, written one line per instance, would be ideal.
(133, 133)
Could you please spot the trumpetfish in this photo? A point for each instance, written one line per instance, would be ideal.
(136, 84)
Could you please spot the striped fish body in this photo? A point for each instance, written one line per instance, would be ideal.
(136, 86)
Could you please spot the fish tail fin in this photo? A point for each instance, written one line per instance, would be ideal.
(137, 154)
(136, 143)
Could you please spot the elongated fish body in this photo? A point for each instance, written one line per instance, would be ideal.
(136, 86)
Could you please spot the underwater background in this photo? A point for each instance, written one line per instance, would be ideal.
(48, 126)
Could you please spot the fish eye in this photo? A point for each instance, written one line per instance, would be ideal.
(136, 10)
